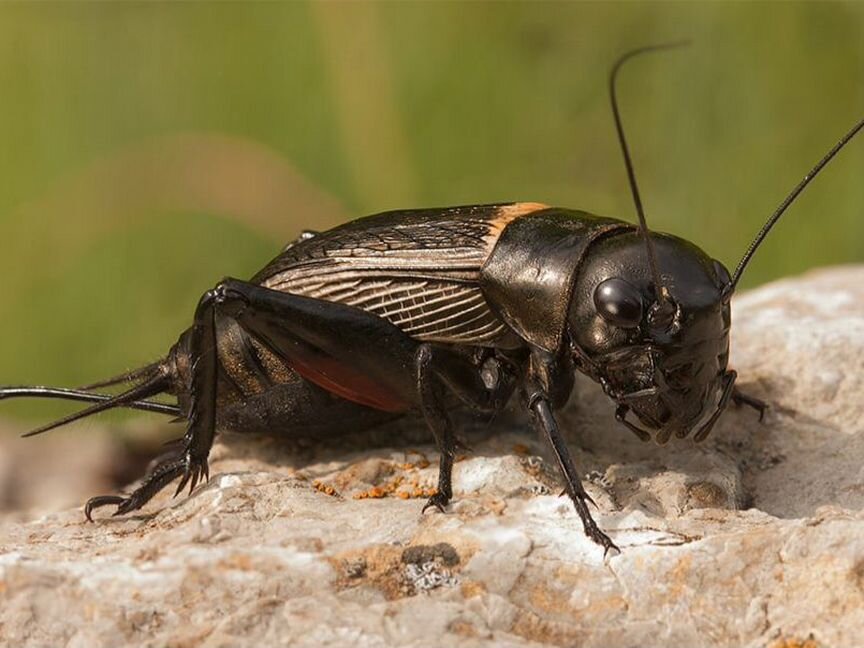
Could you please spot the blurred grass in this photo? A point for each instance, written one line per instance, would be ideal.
(149, 149)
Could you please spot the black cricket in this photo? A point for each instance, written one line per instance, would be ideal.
(409, 311)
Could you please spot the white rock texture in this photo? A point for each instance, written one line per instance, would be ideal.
(753, 538)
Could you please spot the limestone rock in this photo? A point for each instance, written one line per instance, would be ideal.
(753, 538)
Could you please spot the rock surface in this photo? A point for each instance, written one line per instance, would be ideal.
(753, 538)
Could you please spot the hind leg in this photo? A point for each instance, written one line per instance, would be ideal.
(348, 352)
(191, 462)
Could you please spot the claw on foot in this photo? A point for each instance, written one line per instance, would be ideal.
(162, 475)
(195, 470)
(601, 539)
(609, 546)
(438, 500)
(124, 504)
(100, 501)
(592, 531)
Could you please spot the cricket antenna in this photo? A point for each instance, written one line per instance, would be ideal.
(660, 289)
(742, 264)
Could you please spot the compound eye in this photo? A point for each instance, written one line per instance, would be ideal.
(619, 303)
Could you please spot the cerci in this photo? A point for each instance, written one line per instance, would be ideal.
(401, 311)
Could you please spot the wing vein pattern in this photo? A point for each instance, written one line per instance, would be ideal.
(419, 269)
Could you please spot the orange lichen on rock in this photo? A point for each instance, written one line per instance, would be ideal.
(327, 489)
(377, 492)
(412, 489)
(390, 488)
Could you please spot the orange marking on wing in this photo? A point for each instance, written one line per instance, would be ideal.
(509, 212)
(505, 215)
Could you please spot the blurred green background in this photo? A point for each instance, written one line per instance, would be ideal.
(149, 149)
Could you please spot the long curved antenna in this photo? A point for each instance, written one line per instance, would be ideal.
(83, 396)
(659, 288)
(742, 264)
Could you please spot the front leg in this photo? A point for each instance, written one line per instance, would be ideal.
(536, 394)
(191, 462)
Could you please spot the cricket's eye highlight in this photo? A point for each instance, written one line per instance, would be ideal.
(619, 303)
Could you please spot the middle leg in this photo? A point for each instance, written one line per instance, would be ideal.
(440, 370)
